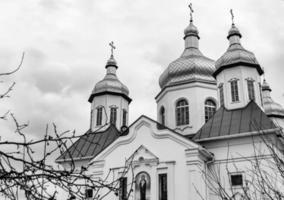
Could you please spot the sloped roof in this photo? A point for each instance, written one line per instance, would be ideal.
(231, 122)
(90, 144)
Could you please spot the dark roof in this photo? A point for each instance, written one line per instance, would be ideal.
(90, 144)
(231, 122)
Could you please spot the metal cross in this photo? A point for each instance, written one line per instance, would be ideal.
(191, 11)
(232, 14)
(111, 44)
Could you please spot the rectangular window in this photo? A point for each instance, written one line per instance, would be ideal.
(124, 117)
(234, 91)
(99, 116)
(88, 193)
(236, 180)
(113, 115)
(163, 187)
(251, 89)
(92, 116)
(260, 92)
(123, 188)
(221, 91)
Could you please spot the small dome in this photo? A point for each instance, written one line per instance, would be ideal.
(236, 54)
(271, 108)
(191, 30)
(234, 31)
(110, 82)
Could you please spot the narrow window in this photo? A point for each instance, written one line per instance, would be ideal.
(234, 90)
(99, 116)
(251, 92)
(113, 115)
(237, 180)
(124, 117)
(92, 116)
(88, 193)
(163, 187)
(162, 115)
(182, 112)
(260, 93)
(123, 188)
(210, 109)
(221, 91)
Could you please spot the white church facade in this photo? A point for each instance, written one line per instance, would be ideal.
(210, 115)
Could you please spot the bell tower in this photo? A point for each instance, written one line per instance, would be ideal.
(109, 99)
(238, 74)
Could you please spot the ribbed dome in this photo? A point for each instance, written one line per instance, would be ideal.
(271, 108)
(236, 54)
(191, 66)
(110, 83)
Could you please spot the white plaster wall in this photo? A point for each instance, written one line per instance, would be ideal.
(171, 156)
(107, 101)
(242, 73)
(237, 155)
(196, 95)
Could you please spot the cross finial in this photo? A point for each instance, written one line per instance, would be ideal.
(111, 44)
(232, 15)
(191, 11)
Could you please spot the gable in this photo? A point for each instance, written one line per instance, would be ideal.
(147, 132)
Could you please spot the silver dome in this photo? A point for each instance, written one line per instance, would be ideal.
(236, 54)
(191, 66)
(271, 108)
(110, 83)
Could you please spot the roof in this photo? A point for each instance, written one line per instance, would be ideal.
(232, 122)
(90, 144)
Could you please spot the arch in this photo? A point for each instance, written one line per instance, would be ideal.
(182, 112)
(209, 108)
(162, 115)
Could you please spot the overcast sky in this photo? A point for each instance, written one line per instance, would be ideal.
(66, 45)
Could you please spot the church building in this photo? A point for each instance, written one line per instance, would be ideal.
(210, 115)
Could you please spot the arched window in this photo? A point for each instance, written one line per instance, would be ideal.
(182, 112)
(162, 115)
(210, 109)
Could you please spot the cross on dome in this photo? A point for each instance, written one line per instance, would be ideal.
(111, 44)
(232, 15)
(191, 11)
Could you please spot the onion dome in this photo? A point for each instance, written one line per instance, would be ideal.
(191, 66)
(236, 54)
(110, 83)
(271, 108)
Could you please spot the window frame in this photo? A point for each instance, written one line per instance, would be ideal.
(221, 94)
(123, 188)
(182, 112)
(113, 115)
(242, 179)
(161, 187)
(209, 110)
(235, 96)
(124, 117)
(162, 115)
(99, 117)
(251, 89)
